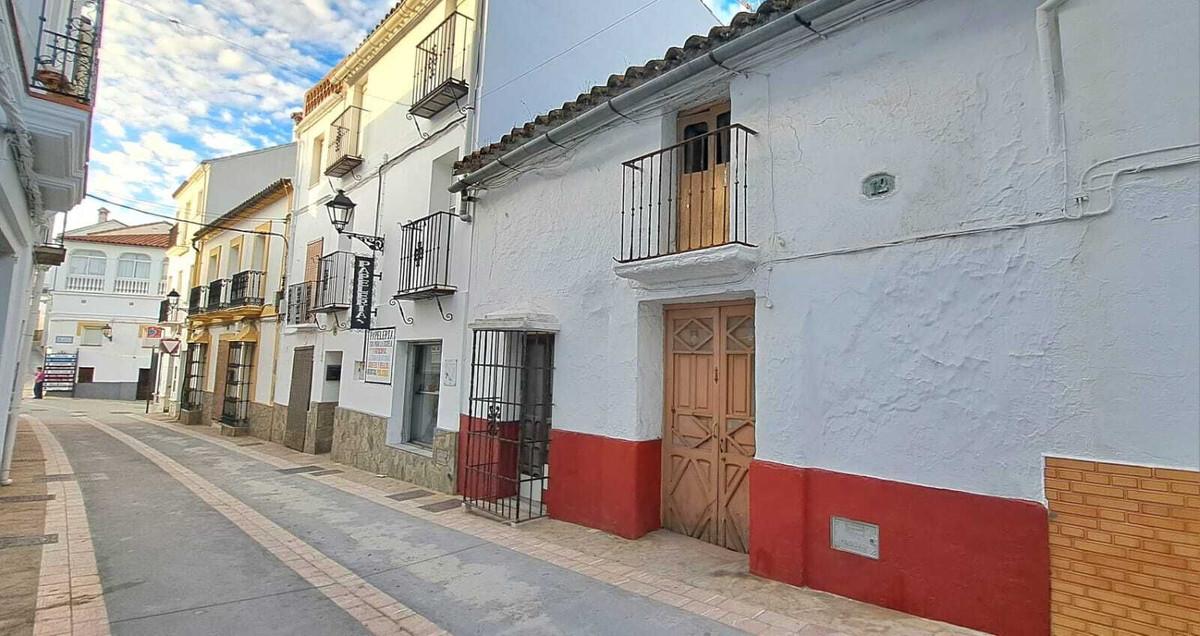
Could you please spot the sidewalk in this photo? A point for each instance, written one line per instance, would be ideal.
(664, 566)
(22, 520)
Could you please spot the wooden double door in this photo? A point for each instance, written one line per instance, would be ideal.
(708, 433)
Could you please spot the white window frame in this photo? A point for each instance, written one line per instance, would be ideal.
(87, 258)
(137, 260)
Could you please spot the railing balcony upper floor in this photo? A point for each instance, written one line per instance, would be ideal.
(688, 196)
(197, 300)
(343, 150)
(65, 63)
(218, 294)
(301, 298)
(247, 289)
(425, 257)
(85, 282)
(335, 282)
(440, 76)
(136, 286)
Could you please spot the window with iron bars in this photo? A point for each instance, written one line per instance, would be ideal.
(507, 456)
(239, 372)
(193, 380)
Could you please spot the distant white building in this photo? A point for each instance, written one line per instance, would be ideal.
(104, 305)
(47, 78)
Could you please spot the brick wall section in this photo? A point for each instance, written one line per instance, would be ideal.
(1124, 549)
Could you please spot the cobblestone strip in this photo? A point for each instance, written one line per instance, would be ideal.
(378, 612)
(750, 618)
(69, 597)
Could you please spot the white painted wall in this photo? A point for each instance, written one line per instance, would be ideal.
(954, 362)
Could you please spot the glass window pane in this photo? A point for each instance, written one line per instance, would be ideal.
(425, 382)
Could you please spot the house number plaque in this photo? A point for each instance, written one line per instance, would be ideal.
(855, 537)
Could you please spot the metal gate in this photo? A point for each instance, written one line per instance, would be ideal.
(506, 466)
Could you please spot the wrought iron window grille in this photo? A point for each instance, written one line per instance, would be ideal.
(507, 455)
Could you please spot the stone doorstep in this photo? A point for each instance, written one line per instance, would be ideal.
(234, 431)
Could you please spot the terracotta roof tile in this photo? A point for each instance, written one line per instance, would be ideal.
(693, 47)
(143, 240)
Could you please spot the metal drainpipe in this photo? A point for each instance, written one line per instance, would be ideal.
(607, 112)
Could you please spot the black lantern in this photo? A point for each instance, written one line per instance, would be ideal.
(341, 211)
(173, 299)
(106, 331)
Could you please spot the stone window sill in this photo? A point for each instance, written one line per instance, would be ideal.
(414, 449)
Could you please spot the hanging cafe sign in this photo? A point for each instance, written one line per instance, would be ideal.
(364, 288)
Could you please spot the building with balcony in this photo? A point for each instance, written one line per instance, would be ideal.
(234, 313)
(48, 67)
(876, 292)
(216, 186)
(389, 398)
(103, 305)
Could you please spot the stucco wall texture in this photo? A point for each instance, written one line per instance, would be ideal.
(955, 362)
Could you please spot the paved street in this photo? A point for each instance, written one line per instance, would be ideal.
(164, 529)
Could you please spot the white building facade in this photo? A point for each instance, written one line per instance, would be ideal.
(389, 399)
(47, 79)
(864, 289)
(103, 306)
(214, 188)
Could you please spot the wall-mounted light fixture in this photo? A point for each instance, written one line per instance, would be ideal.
(341, 214)
(106, 331)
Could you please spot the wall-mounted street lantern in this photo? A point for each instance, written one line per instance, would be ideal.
(173, 299)
(341, 213)
(106, 331)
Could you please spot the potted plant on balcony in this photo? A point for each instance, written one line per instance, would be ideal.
(49, 77)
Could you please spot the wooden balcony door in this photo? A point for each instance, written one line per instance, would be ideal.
(708, 434)
(703, 208)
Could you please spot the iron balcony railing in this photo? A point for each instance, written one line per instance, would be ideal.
(335, 282)
(66, 55)
(440, 76)
(343, 143)
(425, 257)
(198, 300)
(688, 196)
(300, 300)
(247, 289)
(218, 294)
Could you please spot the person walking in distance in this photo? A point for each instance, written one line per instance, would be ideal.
(39, 380)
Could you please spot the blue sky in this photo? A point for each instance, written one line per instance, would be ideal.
(184, 80)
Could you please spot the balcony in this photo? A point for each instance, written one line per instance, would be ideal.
(218, 295)
(440, 76)
(66, 58)
(134, 286)
(301, 298)
(343, 143)
(197, 300)
(85, 282)
(247, 289)
(335, 282)
(425, 257)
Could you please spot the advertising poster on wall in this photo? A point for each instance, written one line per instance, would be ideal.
(381, 345)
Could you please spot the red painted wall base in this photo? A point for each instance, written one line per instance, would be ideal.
(972, 560)
(605, 483)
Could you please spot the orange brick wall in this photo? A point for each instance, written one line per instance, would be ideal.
(1124, 549)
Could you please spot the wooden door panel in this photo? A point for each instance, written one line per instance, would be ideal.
(708, 441)
(299, 395)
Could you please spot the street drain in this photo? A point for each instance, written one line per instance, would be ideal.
(58, 477)
(25, 498)
(35, 539)
(409, 494)
(251, 444)
(299, 469)
(320, 473)
(442, 506)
